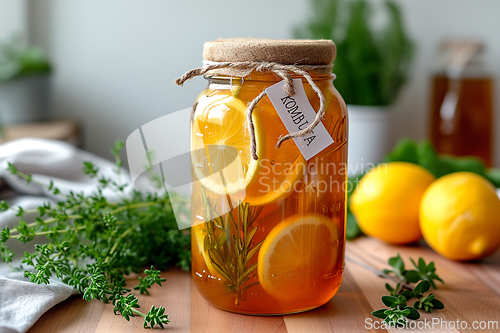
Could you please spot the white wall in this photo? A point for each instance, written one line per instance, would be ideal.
(13, 18)
(116, 59)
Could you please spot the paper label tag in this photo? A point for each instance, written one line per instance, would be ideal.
(297, 113)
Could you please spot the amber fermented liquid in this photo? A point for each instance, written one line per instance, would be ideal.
(320, 282)
(473, 122)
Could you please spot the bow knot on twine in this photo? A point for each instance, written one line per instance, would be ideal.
(285, 72)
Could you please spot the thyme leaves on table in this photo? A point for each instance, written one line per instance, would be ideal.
(410, 284)
(113, 239)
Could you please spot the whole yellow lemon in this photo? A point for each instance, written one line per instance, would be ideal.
(387, 199)
(460, 216)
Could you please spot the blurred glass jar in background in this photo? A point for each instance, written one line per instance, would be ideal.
(461, 120)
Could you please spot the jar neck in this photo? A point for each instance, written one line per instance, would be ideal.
(262, 77)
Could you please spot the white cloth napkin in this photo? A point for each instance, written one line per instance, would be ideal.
(23, 302)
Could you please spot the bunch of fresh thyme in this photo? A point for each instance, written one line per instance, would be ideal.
(410, 284)
(113, 238)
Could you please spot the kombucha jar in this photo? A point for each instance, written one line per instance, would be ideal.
(268, 222)
(461, 117)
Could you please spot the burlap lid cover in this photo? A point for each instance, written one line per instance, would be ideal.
(298, 52)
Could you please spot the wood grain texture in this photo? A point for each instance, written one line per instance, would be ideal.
(471, 293)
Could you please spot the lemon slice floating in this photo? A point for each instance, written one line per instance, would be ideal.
(221, 156)
(220, 145)
(297, 251)
(200, 234)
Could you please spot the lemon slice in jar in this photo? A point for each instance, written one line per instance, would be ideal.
(220, 144)
(200, 234)
(297, 251)
(221, 154)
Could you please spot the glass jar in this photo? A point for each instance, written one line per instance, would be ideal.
(461, 117)
(268, 235)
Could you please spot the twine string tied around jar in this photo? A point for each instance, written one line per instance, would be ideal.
(281, 70)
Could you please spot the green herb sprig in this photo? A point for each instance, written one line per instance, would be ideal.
(114, 238)
(231, 252)
(411, 284)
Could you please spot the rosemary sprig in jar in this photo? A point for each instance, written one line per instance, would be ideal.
(230, 255)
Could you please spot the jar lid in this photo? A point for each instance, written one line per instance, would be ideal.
(285, 51)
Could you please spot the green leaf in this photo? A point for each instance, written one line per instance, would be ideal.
(404, 151)
(402, 300)
(221, 240)
(353, 183)
(250, 235)
(425, 286)
(412, 276)
(249, 271)
(249, 286)
(438, 305)
(407, 294)
(450, 164)
(4, 234)
(12, 168)
(155, 316)
(90, 169)
(390, 301)
(252, 252)
(421, 288)
(428, 157)
(426, 272)
(414, 314)
(3, 205)
(397, 263)
(216, 259)
(430, 267)
(379, 314)
(221, 271)
(352, 229)
(118, 146)
(493, 175)
(405, 312)
(425, 155)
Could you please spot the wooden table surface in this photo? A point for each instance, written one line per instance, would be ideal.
(64, 130)
(471, 293)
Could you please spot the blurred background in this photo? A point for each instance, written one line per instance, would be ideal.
(107, 65)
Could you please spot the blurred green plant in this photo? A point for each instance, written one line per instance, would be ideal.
(424, 154)
(18, 59)
(371, 64)
(352, 230)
